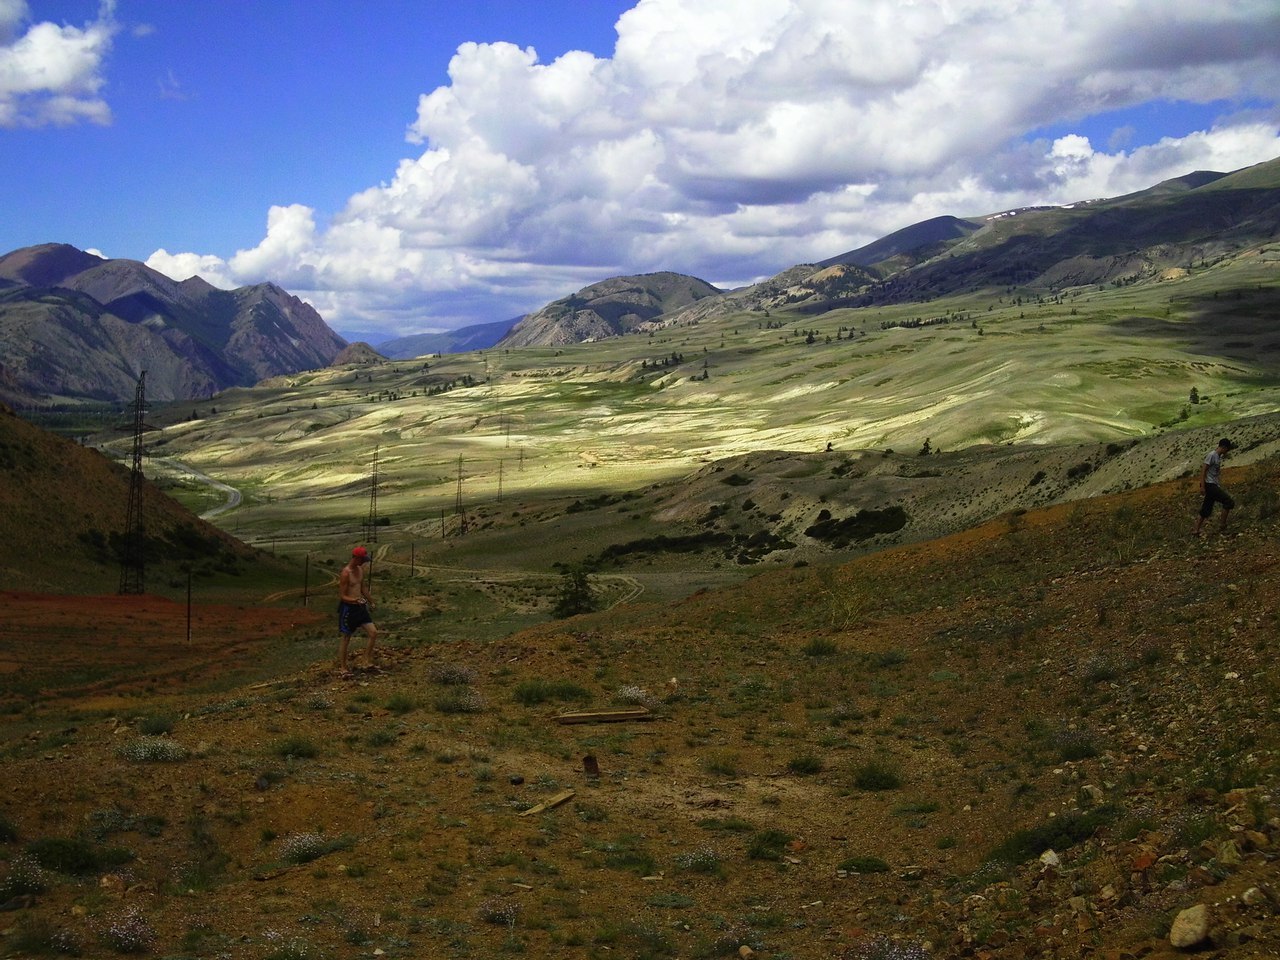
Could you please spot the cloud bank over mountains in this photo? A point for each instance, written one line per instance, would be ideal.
(732, 138)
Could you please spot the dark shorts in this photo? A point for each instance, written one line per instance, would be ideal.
(352, 616)
(1215, 494)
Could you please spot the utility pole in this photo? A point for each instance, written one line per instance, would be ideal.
(371, 524)
(133, 563)
(457, 503)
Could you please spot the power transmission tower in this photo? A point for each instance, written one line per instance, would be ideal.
(133, 562)
(371, 524)
(457, 505)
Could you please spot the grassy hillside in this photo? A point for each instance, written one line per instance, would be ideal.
(65, 508)
(718, 429)
(1052, 732)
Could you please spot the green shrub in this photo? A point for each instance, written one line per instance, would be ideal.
(722, 763)
(74, 855)
(821, 647)
(886, 658)
(1059, 833)
(8, 832)
(25, 876)
(728, 824)
(295, 748)
(805, 765)
(877, 775)
(627, 853)
(155, 725)
(35, 936)
(1074, 745)
(381, 738)
(401, 703)
(768, 845)
(533, 692)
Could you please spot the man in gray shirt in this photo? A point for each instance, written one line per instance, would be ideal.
(1211, 488)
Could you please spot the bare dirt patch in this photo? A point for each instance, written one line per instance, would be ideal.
(91, 652)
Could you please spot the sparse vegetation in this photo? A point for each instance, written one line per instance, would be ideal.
(931, 705)
(876, 775)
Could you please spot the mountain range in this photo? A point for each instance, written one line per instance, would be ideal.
(75, 327)
(1149, 236)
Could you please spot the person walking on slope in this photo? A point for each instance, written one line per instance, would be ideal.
(1211, 486)
(355, 609)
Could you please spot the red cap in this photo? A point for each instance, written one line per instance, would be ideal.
(360, 553)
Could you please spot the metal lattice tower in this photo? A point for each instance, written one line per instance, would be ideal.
(371, 524)
(133, 562)
(457, 505)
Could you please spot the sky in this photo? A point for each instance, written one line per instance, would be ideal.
(414, 166)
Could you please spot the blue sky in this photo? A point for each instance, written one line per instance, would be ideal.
(417, 166)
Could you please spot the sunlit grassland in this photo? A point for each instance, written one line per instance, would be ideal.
(504, 432)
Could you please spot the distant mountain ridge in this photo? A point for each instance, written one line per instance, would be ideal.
(607, 309)
(75, 326)
(480, 336)
(1136, 238)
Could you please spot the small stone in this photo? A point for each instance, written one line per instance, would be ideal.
(1229, 854)
(1142, 862)
(1190, 927)
(1255, 840)
(1050, 858)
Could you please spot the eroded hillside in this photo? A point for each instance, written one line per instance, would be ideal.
(1050, 735)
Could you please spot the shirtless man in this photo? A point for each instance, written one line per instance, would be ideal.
(354, 609)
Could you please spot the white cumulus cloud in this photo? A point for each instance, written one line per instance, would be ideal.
(50, 74)
(732, 138)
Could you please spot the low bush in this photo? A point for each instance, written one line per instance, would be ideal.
(75, 855)
(805, 765)
(877, 775)
(298, 848)
(129, 932)
(295, 748)
(768, 845)
(152, 750)
(533, 692)
(1060, 833)
(25, 876)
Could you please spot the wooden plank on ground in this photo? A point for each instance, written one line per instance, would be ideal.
(548, 804)
(605, 716)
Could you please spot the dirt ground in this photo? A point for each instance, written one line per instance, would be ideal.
(97, 652)
(835, 759)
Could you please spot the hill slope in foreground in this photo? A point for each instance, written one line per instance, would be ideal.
(1053, 735)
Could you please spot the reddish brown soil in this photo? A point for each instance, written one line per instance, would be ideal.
(93, 651)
